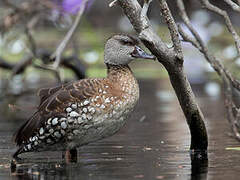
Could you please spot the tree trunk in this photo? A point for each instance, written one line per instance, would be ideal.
(174, 65)
(193, 114)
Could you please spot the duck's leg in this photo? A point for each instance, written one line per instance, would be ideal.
(15, 155)
(70, 155)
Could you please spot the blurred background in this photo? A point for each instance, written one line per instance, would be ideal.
(31, 30)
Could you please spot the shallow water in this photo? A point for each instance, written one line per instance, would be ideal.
(152, 145)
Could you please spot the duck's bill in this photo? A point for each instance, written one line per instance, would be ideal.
(139, 53)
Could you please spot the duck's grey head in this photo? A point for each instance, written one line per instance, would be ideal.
(122, 49)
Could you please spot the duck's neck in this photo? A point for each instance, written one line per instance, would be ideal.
(122, 77)
(118, 72)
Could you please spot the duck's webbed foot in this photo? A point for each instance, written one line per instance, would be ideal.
(70, 156)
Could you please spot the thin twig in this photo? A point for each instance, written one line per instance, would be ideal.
(230, 106)
(172, 28)
(233, 5)
(188, 38)
(215, 63)
(68, 36)
(206, 4)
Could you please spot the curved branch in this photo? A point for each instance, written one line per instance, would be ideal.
(233, 5)
(206, 4)
(68, 36)
(167, 15)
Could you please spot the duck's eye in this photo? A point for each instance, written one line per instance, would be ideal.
(126, 42)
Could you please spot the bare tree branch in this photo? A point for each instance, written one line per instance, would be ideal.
(68, 36)
(206, 4)
(188, 38)
(233, 5)
(132, 9)
(199, 44)
(172, 27)
(168, 57)
(227, 78)
(71, 62)
(230, 106)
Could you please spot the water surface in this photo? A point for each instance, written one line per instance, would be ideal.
(152, 145)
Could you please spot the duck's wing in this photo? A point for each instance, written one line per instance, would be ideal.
(54, 103)
(45, 93)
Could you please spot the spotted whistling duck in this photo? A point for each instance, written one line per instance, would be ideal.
(77, 113)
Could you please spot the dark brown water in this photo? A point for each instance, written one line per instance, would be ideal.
(153, 144)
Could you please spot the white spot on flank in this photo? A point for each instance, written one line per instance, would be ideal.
(89, 117)
(42, 137)
(34, 138)
(100, 90)
(91, 110)
(63, 119)
(106, 86)
(49, 121)
(74, 114)
(41, 131)
(70, 137)
(87, 126)
(70, 120)
(97, 105)
(29, 146)
(107, 100)
(74, 106)
(54, 121)
(57, 134)
(80, 120)
(85, 102)
(102, 106)
(104, 92)
(84, 116)
(85, 110)
(63, 125)
(76, 132)
(69, 109)
(110, 115)
(63, 132)
(51, 131)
